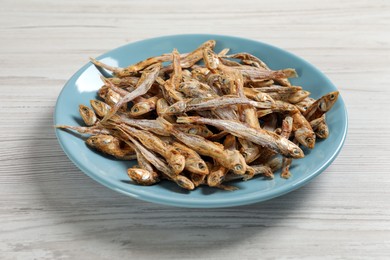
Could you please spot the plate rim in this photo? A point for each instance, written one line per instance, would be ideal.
(198, 203)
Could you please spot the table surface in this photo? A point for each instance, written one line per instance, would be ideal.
(50, 210)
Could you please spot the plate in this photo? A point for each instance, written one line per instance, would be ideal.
(83, 85)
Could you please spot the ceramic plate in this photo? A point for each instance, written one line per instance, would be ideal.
(83, 85)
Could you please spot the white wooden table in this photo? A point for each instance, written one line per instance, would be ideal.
(50, 210)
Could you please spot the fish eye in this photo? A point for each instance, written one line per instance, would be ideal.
(193, 131)
(332, 96)
(309, 140)
(296, 151)
(201, 166)
(238, 167)
(172, 109)
(135, 109)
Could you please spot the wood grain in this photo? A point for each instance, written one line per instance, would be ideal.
(50, 210)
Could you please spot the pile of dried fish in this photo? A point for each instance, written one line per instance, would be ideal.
(231, 118)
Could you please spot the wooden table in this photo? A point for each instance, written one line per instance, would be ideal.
(50, 210)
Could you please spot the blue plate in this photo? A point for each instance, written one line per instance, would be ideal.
(112, 173)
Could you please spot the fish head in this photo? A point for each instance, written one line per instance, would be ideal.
(197, 166)
(322, 131)
(291, 150)
(184, 182)
(142, 176)
(100, 108)
(238, 162)
(210, 44)
(98, 141)
(140, 109)
(327, 101)
(216, 176)
(306, 137)
(112, 97)
(197, 179)
(87, 114)
(176, 161)
(176, 108)
(210, 59)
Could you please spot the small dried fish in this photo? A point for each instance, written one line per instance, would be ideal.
(279, 107)
(217, 175)
(258, 136)
(144, 107)
(321, 106)
(322, 131)
(87, 114)
(193, 162)
(142, 176)
(111, 97)
(100, 108)
(249, 59)
(212, 103)
(258, 95)
(320, 127)
(253, 74)
(109, 144)
(145, 124)
(278, 89)
(303, 131)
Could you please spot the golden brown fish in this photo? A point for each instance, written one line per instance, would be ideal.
(258, 136)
